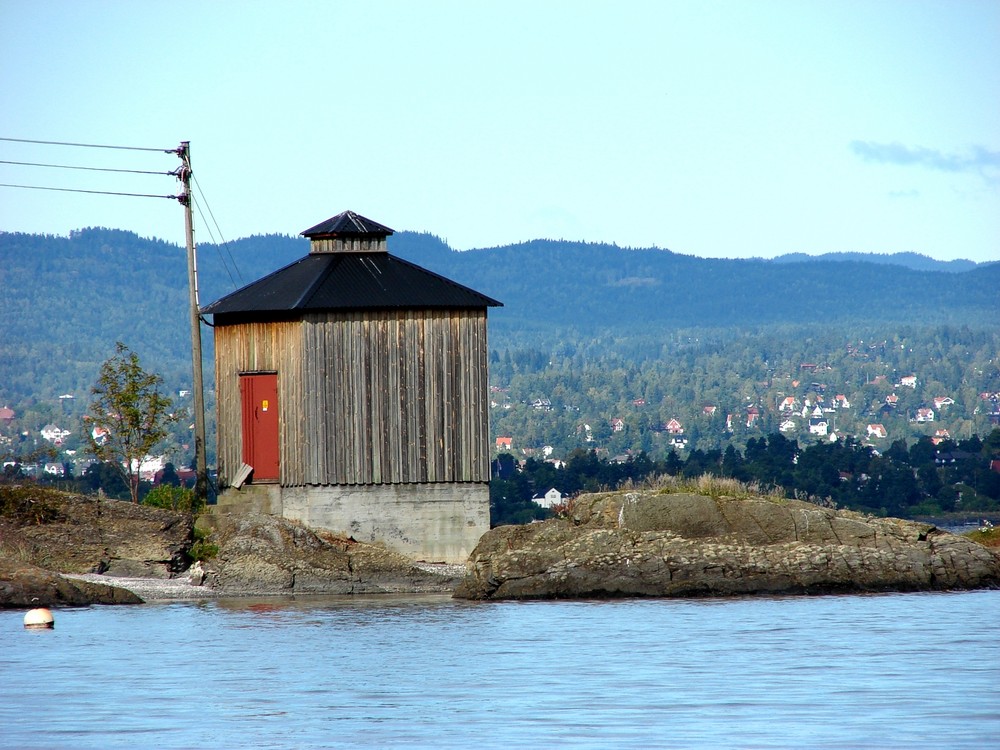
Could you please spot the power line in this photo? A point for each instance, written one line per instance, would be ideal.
(89, 145)
(94, 192)
(89, 169)
(219, 246)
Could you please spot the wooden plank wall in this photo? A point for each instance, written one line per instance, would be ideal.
(396, 397)
(248, 348)
(365, 398)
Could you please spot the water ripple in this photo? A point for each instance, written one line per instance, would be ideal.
(890, 671)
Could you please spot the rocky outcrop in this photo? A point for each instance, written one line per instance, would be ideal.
(71, 533)
(46, 533)
(25, 585)
(263, 554)
(676, 544)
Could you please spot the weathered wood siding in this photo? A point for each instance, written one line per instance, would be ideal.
(348, 245)
(396, 397)
(365, 397)
(248, 348)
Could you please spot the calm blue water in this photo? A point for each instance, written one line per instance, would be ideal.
(890, 671)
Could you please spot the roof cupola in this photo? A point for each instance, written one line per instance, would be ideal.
(347, 232)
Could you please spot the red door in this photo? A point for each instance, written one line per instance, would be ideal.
(259, 396)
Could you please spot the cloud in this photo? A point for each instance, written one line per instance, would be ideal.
(979, 160)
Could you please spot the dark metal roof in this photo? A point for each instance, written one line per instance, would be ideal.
(323, 282)
(348, 224)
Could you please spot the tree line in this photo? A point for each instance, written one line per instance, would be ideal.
(923, 479)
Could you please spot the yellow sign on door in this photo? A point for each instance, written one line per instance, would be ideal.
(263, 404)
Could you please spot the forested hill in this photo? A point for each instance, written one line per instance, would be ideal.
(548, 283)
(910, 260)
(66, 300)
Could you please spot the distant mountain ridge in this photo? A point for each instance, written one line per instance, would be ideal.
(547, 283)
(914, 261)
(66, 300)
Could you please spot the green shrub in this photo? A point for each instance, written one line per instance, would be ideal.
(173, 498)
(202, 549)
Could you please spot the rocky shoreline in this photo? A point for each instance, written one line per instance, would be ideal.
(151, 589)
(59, 549)
(62, 549)
(674, 544)
(184, 589)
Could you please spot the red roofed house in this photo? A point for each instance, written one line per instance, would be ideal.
(940, 436)
(877, 431)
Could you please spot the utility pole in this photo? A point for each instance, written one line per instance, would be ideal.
(201, 468)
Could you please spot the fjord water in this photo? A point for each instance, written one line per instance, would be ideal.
(886, 671)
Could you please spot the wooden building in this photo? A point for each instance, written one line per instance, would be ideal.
(352, 395)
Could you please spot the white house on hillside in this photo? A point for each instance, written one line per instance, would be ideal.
(149, 466)
(54, 434)
(552, 497)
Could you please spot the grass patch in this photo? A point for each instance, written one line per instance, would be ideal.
(988, 536)
(28, 505)
(710, 485)
(13, 547)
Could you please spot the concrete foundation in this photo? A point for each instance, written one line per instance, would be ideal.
(429, 522)
(251, 498)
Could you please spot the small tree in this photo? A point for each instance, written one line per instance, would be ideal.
(131, 411)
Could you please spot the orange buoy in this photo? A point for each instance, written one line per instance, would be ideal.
(40, 618)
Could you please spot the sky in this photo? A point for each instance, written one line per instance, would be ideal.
(715, 129)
